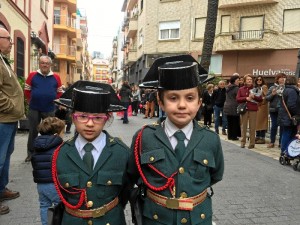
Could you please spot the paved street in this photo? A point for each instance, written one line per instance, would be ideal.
(256, 189)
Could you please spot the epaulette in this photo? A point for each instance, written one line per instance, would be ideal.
(117, 140)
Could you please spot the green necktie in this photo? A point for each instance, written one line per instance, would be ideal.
(180, 147)
(88, 158)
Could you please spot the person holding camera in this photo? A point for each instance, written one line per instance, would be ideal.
(273, 97)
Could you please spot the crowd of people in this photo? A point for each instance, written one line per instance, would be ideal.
(262, 102)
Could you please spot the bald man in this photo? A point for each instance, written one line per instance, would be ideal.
(11, 110)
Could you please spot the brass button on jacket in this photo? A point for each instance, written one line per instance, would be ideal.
(67, 185)
(181, 170)
(202, 216)
(89, 184)
(155, 216)
(109, 182)
(90, 204)
(205, 161)
(183, 220)
(183, 195)
(90, 222)
(151, 159)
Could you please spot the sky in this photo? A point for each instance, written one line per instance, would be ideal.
(104, 18)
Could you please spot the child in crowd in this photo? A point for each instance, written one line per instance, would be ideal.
(89, 170)
(176, 160)
(51, 130)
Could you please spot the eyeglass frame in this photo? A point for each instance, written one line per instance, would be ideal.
(76, 115)
(7, 38)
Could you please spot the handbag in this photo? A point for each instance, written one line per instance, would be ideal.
(242, 108)
(294, 119)
(55, 214)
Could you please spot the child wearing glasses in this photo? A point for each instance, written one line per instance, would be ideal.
(52, 131)
(89, 170)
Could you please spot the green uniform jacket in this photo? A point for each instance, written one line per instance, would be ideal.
(107, 181)
(202, 166)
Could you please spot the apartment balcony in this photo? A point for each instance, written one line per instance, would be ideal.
(133, 26)
(71, 4)
(223, 4)
(65, 52)
(246, 40)
(66, 24)
(131, 56)
(131, 4)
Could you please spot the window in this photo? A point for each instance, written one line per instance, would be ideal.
(252, 27)
(55, 65)
(56, 13)
(169, 30)
(291, 20)
(225, 24)
(215, 66)
(199, 27)
(44, 6)
(20, 57)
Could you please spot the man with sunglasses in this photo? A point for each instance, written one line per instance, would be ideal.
(11, 110)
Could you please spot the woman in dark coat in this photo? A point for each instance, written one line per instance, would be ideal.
(230, 106)
(289, 96)
(207, 104)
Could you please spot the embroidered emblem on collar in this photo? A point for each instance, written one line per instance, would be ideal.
(111, 140)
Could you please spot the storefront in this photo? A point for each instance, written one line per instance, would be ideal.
(263, 62)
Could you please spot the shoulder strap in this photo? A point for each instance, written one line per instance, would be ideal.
(288, 112)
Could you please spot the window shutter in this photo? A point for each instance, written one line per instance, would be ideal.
(199, 27)
(291, 20)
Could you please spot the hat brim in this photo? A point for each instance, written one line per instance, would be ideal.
(66, 98)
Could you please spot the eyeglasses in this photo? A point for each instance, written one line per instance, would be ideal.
(259, 79)
(84, 118)
(8, 38)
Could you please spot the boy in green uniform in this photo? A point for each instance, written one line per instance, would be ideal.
(176, 160)
(89, 171)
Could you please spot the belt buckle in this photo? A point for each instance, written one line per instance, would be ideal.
(172, 203)
(99, 212)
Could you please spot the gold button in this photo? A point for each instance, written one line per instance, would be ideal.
(90, 204)
(155, 216)
(90, 222)
(89, 184)
(67, 185)
(109, 182)
(183, 195)
(183, 220)
(108, 224)
(202, 216)
(181, 170)
(205, 161)
(151, 159)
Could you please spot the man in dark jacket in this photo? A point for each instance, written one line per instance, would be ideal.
(218, 98)
(125, 94)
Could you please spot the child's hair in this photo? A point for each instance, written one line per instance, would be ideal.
(51, 125)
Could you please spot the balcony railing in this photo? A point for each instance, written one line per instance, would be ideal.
(65, 21)
(250, 34)
(64, 49)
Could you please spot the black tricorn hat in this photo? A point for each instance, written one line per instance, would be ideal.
(175, 73)
(92, 97)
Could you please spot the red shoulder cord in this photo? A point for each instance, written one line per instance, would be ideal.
(58, 186)
(137, 152)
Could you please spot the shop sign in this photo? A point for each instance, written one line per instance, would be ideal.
(271, 72)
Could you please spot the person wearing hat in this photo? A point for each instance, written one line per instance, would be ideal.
(175, 161)
(89, 170)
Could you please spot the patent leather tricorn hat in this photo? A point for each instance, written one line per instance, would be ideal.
(175, 73)
(90, 97)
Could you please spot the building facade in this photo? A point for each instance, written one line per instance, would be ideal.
(260, 37)
(101, 70)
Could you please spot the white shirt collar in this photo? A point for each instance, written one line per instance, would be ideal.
(170, 129)
(81, 142)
